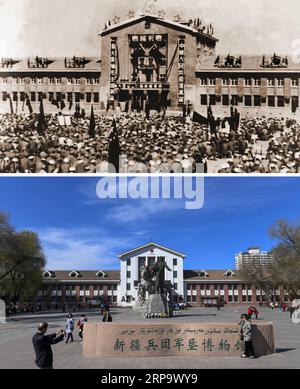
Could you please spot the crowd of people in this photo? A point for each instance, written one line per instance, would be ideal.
(162, 144)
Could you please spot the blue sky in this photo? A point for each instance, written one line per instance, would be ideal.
(79, 230)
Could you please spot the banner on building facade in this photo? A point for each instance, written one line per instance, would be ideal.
(113, 67)
(181, 70)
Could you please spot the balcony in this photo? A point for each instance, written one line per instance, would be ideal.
(134, 85)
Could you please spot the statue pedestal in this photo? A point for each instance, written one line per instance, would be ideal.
(155, 305)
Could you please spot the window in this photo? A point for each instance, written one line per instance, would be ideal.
(175, 274)
(21, 80)
(256, 81)
(175, 286)
(194, 286)
(69, 80)
(32, 80)
(212, 81)
(51, 81)
(77, 97)
(247, 81)
(128, 287)
(295, 82)
(129, 262)
(32, 96)
(225, 81)
(4, 96)
(128, 274)
(236, 299)
(234, 81)
(203, 81)
(249, 298)
(88, 97)
(3, 80)
(230, 299)
(225, 99)
(248, 101)
(22, 96)
(257, 101)
(115, 299)
(194, 299)
(89, 81)
(280, 82)
(244, 299)
(271, 82)
(271, 101)
(14, 80)
(203, 99)
(175, 262)
(77, 81)
(96, 81)
(58, 80)
(40, 80)
(96, 97)
(280, 101)
(15, 96)
(69, 97)
(212, 99)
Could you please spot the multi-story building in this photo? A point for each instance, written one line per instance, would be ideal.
(78, 288)
(62, 83)
(150, 58)
(254, 256)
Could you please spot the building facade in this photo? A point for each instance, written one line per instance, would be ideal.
(80, 289)
(155, 62)
(254, 256)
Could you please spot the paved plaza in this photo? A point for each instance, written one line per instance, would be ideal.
(16, 351)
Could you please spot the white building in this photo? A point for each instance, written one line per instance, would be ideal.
(147, 255)
(254, 256)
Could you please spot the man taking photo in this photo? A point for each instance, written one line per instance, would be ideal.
(42, 346)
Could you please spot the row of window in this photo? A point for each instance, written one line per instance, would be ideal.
(128, 274)
(58, 96)
(72, 288)
(245, 299)
(247, 81)
(53, 80)
(248, 100)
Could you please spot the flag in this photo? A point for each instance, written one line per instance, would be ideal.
(10, 103)
(42, 124)
(197, 118)
(209, 113)
(92, 127)
(28, 103)
(114, 149)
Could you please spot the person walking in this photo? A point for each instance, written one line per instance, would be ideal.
(42, 346)
(255, 312)
(70, 328)
(80, 324)
(106, 315)
(246, 337)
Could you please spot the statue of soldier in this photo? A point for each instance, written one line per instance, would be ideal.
(159, 272)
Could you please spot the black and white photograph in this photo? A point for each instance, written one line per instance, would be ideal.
(149, 86)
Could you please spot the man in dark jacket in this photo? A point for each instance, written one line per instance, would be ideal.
(42, 346)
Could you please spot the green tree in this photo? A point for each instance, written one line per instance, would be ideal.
(21, 262)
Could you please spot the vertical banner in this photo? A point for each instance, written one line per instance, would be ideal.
(113, 67)
(181, 70)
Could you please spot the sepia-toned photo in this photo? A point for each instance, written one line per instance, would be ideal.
(149, 86)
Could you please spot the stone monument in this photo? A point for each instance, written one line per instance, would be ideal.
(2, 312)
(160, 291)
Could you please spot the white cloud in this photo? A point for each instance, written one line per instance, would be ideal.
(142, 209)
(83, 248)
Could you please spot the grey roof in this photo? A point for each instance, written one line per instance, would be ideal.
(249, 63)
(57, 65)
(85, 275)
